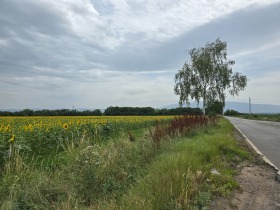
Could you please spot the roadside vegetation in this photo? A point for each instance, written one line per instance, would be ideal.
(265, 117)
(179, 164)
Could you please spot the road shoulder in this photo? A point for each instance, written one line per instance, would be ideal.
(259, 188)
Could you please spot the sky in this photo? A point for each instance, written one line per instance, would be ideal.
(98, 53)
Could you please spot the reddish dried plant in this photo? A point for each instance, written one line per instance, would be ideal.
(183, 125)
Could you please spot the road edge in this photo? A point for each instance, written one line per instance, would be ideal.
(260, 153)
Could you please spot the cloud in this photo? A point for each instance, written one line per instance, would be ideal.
(262, 89)
(251, 34)
(98, 90)
(99, 52)
(81, 35)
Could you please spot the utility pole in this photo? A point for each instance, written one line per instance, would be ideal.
(250, 108)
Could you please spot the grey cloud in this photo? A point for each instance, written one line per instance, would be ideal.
(32, 31)
(247, 28)
(43, 55)
(240, 29)
(39, 35)
(22, 18)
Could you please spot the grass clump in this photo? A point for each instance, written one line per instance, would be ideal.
(24, 186)
(104, 172)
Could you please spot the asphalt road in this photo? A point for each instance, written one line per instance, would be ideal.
(263, 134)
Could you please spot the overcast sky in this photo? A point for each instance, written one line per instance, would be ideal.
(99, 53)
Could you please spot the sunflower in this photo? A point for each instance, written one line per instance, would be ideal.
(65, 126)
(12, 138)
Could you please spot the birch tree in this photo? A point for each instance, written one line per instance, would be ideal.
(207, 76)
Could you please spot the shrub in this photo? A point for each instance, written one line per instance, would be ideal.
(230, 112)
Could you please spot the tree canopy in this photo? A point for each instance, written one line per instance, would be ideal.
(207, 75)
(110, 111)
(214, 108)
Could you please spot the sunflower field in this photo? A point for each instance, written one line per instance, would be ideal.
(41, 135)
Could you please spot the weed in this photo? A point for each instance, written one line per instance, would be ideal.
(131, 137)
(182, 125)
(202, 201)
(157, 134)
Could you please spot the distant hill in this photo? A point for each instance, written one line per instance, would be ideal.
(256, 108)
(239, 106)
(10, 110)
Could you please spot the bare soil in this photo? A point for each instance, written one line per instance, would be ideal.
(259, 188)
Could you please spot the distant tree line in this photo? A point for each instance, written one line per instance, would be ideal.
(128, 111)
(179, 111)
(110, 111)
(57, 112)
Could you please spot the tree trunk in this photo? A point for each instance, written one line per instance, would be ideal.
(203, 106)
(204, 101)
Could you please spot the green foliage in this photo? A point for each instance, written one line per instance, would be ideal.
(265, 117)
(110, 111)
(230, 112)
(179, 111)
(207, 75)
(214, 108)
(49, 135)
(125, 173)
(141, 111)
(128, 111)
(184, 168)
(105, 172)
(23, 185)
(81, 175)
(57, 112)
(202, 201)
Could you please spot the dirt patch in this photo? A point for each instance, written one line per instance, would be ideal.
(259, 189)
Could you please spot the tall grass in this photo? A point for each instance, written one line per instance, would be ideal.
(80, 177)
(129, 172)
(181, 178)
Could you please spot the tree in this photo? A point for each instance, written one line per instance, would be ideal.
(214, 108)
(230, 112)
(207, 75)
(27, 112)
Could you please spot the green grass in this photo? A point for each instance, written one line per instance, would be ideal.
(180, 177)
(125, 174)
(265, 117)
